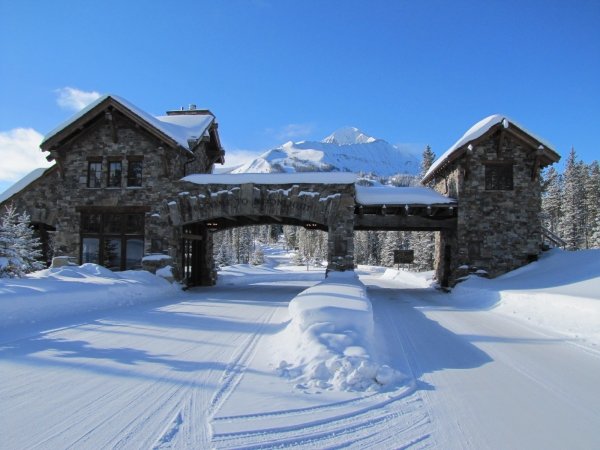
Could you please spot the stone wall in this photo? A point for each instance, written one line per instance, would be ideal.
(497, 230)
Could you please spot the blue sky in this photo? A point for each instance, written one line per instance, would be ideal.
(410, 72)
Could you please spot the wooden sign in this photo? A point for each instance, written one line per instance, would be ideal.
(404, 256)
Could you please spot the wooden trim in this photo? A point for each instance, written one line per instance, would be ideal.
(136, 209)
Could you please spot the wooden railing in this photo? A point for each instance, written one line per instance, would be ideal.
(553, 238)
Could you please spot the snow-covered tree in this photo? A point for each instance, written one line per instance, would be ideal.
(572, 218)
(551, 199)
(258, 256)
(20, 251)
(427, 160)
(592, 205)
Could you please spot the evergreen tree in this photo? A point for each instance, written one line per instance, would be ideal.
(20, 248)
(592, 205)
(258, 257)
(427, 160)
(571, 225)
(551, 199)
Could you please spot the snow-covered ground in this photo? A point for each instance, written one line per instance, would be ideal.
(277, 356)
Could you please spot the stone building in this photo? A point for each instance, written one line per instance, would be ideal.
(119, 190)
(494, 173)
(113, 166)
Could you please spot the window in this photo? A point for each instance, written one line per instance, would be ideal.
(499, 177)
(94, 178)
(113, 239)
(114, 174)
(134, 173)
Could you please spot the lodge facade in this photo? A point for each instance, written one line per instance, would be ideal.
(115, 194)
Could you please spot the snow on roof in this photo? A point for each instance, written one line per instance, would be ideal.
(476, 131)
(275, 178)
(23, 183)
(391, 195)
(180, 128)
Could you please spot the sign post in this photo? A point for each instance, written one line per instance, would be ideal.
(403, 257)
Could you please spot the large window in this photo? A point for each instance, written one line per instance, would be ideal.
(114, 240)
(94, 178)
(114, 173)
(499, 176)
(134, 173)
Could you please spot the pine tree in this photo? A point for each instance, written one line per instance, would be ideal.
(427, 160)
(591, 187)
(258, 256)
(551, 199)
(20, 248)
(571, 225)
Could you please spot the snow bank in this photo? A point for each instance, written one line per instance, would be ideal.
(329, 341)
(70, 290)
(419, 279)
(392, 195)
(560, 292)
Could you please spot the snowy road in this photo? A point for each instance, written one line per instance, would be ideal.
(487, 380)
(195, 373)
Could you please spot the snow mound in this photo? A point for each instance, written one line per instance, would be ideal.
(560, 292)
(51, 294)
(330, 339)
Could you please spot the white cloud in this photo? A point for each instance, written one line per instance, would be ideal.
(73, 99)
(20, 153)
(292, 131)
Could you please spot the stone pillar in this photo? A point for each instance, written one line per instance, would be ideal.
(340, 245)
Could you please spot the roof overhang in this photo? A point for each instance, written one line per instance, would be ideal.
(490, 125)
(81, 120)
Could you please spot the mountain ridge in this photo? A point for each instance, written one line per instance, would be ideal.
(348, 149)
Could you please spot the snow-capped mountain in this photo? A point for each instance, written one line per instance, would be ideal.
(346, 150)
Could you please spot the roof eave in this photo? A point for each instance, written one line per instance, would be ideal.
(76, 125)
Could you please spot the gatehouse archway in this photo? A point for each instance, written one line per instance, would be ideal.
(325, 201)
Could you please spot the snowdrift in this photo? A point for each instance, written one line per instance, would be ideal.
(328, 343)
(560, 292)
(67, 291)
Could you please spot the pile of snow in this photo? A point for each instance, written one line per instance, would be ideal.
(329, 340)
(392, 195)
(70, 290)
(560, 292)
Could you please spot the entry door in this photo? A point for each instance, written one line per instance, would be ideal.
(194, 249)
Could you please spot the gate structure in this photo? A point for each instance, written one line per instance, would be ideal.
(325, 201)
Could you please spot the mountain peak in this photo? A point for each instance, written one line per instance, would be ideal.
(347, 136)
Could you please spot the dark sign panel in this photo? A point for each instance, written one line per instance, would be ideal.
(404, 256)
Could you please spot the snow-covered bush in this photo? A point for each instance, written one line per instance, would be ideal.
(19, 246)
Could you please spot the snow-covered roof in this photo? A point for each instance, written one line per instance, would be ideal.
(179, 128)
(275, 178)
(475, 132)
(391, 195)
(23, 183)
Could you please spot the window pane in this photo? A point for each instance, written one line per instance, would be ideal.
(134, 224)
(94, 174)
(112, 254)
(499, 177)
(134, 253)
(113, 223)
(134, 173)
(90, 250)
(114, 174)
(91, 223)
